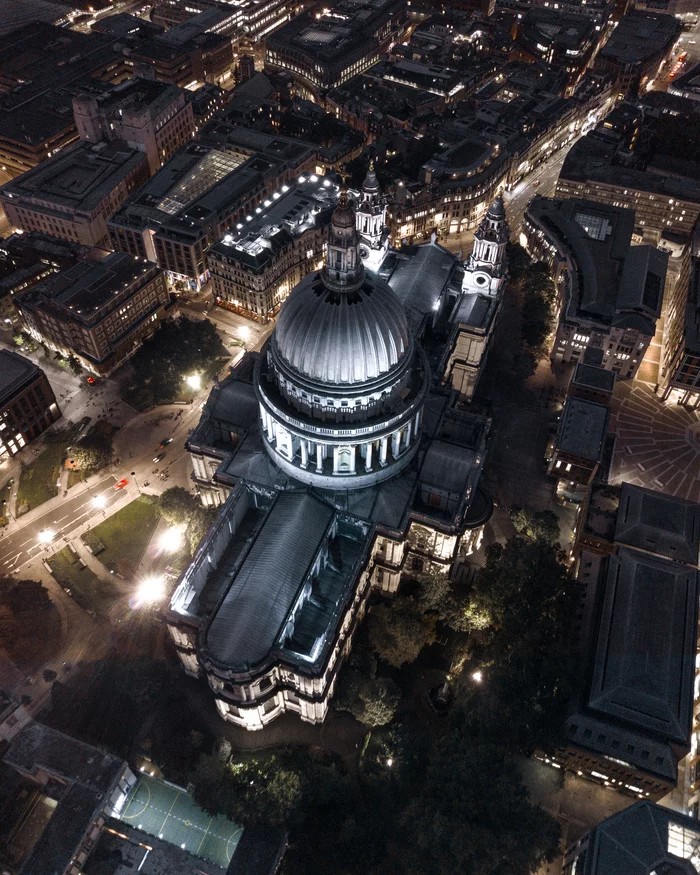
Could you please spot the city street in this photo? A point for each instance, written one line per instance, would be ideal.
(60, 516)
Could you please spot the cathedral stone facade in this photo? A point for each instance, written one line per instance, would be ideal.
(341, 465)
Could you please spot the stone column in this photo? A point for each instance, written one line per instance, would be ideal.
(382, 450)
(408, 435)
(368, 457)
(319, 457)
(353, 458)
(270, 428)
(304, 452)
(395, 444)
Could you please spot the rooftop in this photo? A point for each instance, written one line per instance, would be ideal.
(641, 839)
(289, 213)
(613, 282)
(644, 659)
(15, 372)
(89, 287)
(133, 95)
(659, 523)
(593, 377)
(639, 36)
(39, 64)
(582, 429)
(79, 178)
(592, 159)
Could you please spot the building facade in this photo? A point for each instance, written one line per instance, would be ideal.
(153, 117)
(610, 291)
(476, 310)
(72, 194)
(268, 609)
(27, 403)
(254, 268)
(99, 312)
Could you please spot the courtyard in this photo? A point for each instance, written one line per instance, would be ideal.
(658, 443)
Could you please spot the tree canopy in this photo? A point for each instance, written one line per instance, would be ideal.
(399, 631)
(92, 452)
(178, 507)
(371, 700)
(179, 348)
(472, 815)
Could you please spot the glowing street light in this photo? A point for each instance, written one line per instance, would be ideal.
(99, 501)
(194, 381)
(390, 762)
(478, 677)
(151, 590)
(244, 332)
(46, 536)
(172, 539)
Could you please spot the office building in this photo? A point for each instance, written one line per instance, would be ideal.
(333, 478)
(27, 403)
(25, 260)
(208, 188)
(99, 312)
(255, 266)
(563, 41)
(637, 48)
(188, 55)
(153, 117)
(72, 194)
(643, 838)
(40, 65)
(687, 85)
(637, 563)
(663, 199)
(610, 292)
(253, 19)
(473, 319)
(324, 46)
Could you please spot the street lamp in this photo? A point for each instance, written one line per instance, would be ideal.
(194, 381)
(133, 474)
(46, 536)
(171, 540)
(151, 590)
(478, 677)
(244, 332)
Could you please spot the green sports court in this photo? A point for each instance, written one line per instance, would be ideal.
(169, 813)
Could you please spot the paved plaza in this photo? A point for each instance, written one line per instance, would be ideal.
(658, 444)
(169, 813)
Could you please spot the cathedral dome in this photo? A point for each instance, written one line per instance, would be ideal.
(342, 338)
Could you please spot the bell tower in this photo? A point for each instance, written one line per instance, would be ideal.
(485, 268)
(370, 221)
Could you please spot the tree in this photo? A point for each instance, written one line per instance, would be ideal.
(75, 365)
(177, 506)
(92, 452)
(472, 815)
(525, 592)
(438, 595)
(398, 632)
(373, 701)
(9, 627)
(538, 525)
(24, 596)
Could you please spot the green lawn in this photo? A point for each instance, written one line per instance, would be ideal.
(126, 535)
(37, 483)
(86, 588)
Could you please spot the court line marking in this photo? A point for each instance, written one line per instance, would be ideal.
(168, 814)
(205, 835)
(126, 816)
